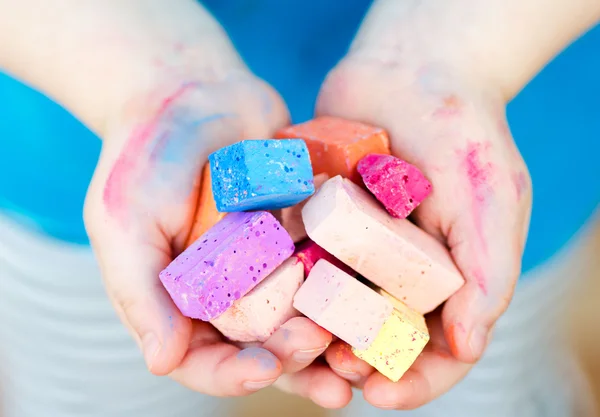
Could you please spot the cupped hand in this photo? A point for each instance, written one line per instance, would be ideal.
(454, 129)
(139, 211)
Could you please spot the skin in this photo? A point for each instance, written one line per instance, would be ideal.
(436, 76)
(179, 92)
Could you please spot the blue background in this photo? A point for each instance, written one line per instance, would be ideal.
(47, 157)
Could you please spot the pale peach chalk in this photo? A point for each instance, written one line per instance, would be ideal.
(207, 214)
(263, 310)
(291, 217)
(392, 253)
(342, 305)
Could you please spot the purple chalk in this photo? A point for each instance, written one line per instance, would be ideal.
(225, 263)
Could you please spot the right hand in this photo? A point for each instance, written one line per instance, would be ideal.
(139, 211)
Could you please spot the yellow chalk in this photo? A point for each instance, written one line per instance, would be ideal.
(399, 342)
(411, 315)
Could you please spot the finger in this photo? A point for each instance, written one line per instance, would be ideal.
(216, 368)
(433, 373)
(486, 241)
(130, 270)
(344, 363)
(141, 200)
(297, 343)
(319, 384)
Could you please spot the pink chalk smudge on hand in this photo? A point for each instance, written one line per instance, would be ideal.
(479, 277)
(160, 152)
(479, 176)
(131, 160)
(398, 185)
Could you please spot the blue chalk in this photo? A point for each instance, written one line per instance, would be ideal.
(261, 175)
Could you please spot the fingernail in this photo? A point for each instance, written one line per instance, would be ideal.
(305, 356)
(258, 385)
(478, 341)
(150, 347)
(386, 407)
(349, 375)
(265, 359)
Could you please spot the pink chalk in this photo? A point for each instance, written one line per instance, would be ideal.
(392, 253)
(309, 253)
(263, 310)
(342, 305)
(225, 263)
(398, 185)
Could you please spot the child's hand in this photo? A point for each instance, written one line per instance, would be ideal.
(453, 127)
(139, 211)
(163, 87)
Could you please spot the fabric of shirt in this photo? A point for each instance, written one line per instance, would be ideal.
(47, 157)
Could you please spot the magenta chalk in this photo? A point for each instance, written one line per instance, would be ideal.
(225, 263)
(398, 185)
(308, 252)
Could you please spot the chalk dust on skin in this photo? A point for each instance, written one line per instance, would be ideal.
(287, 333)
(478, 173)
(169, 137)
(519, 178)
(344, 354)
(479, 278)
(265, 359)
(521, 184)
(451, 106)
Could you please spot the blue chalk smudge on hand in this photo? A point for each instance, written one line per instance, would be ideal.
(261, 175)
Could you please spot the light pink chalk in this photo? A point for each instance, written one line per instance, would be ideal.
(342, 305)
(291, 217)
(392, 253)
(263, 310)
(398, 185)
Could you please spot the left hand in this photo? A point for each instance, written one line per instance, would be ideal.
(451, 125)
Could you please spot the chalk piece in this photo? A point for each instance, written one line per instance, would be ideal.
(207, 214)
(398, 344)
(342, 305)
(257, 315)
(291, 217)
(393, 253)
(336, 145)
(261, 175)
(225, 263)
(309, 253)
(398, 185)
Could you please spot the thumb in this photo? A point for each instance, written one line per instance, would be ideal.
(130, 269)
(486, 236)
(481, 198)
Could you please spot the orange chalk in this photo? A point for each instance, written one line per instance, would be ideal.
(207, 214)
(336, 145)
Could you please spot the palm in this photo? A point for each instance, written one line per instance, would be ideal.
(139, 212)
(457, 135)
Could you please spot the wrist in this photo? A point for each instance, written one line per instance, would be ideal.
(111, 51)
(500, 44)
